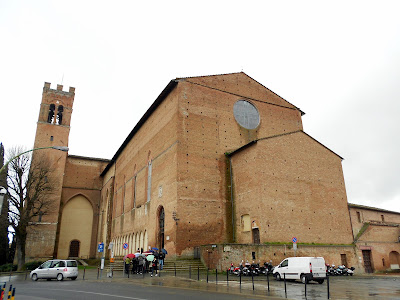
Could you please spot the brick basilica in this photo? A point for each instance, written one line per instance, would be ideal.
(218, 168)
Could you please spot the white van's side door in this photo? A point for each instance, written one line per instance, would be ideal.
(283, 268)
(43, 270)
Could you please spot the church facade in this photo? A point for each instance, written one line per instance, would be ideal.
(215, 160)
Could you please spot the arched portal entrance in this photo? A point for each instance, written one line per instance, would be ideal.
(161, 225)
(74, 249)
(76, 225)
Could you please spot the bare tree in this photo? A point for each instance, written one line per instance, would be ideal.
(30, 187)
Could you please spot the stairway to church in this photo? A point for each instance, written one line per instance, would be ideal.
(170, 265)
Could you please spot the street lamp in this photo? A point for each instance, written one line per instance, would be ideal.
(61, 148)
(3, 192)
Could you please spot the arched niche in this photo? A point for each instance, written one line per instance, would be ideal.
(76, 224)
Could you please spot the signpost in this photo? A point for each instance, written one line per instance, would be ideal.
(100, 249)
(294, 240)
(110, 247)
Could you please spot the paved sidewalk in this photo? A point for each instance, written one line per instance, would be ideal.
(183, 281)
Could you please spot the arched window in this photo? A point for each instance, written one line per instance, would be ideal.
(60, 114)
(50, 117)
(161, 224)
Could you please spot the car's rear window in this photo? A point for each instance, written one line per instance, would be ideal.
(72, 263)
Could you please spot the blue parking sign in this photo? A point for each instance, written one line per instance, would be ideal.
(100, 247)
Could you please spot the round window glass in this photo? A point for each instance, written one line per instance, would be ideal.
(246, 114)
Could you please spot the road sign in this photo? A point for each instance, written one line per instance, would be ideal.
(125, 246)
(100, 247)
(294, 239)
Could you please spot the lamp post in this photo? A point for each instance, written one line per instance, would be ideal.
(61, 148)
(3, 192)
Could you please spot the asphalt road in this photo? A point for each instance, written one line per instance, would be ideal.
(181, 287)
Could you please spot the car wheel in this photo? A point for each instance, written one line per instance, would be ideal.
(321, 281)
(304, 279)
(73, 278)
(278, 277)
(34, 277)
(60, 277)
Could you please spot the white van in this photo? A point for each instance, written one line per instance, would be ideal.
(303, 268)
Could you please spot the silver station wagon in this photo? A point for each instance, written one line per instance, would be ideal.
(56, 269)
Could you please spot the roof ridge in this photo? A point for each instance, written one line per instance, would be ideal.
(246, 97)
(180, 78)
(303, 113)
(280, 135)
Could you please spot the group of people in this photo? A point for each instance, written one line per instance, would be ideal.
(140, 263)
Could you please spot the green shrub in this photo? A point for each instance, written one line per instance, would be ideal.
(32, 265)
(8, 267)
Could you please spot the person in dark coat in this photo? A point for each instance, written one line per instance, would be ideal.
(154, 266)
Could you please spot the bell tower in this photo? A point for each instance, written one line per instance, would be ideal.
(52, 129)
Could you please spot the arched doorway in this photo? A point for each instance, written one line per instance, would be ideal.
(161, 225)
(394, 260)
(74, 248)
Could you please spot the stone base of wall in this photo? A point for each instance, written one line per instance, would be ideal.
(221, 256)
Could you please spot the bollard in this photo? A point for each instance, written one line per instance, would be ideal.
(227, 277)
(9, 292)
(198, 273)
(216, 276)
(159, 270)
(10, 274)
(252, 278)
(175, 268)
(190, 272)
(98, 271)
(84, 271)
(3, 291)
(284, 280)
(268, 280)
(327, 283)
(26, 274)
(13, 294)
(240, 276)
(207, 275)
(305, 288)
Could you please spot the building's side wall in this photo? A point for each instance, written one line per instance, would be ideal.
(207, 131)
(291, 186)
(135, 219)
(377, 232)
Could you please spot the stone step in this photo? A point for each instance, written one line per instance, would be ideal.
(169, 265)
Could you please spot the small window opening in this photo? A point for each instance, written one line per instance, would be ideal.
(40, 216)
(50, 117)
(359, 217)
(383, 262)
(383, 218)
(60, 114)
(51, 138)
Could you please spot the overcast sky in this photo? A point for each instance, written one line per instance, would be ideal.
(337, 62)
